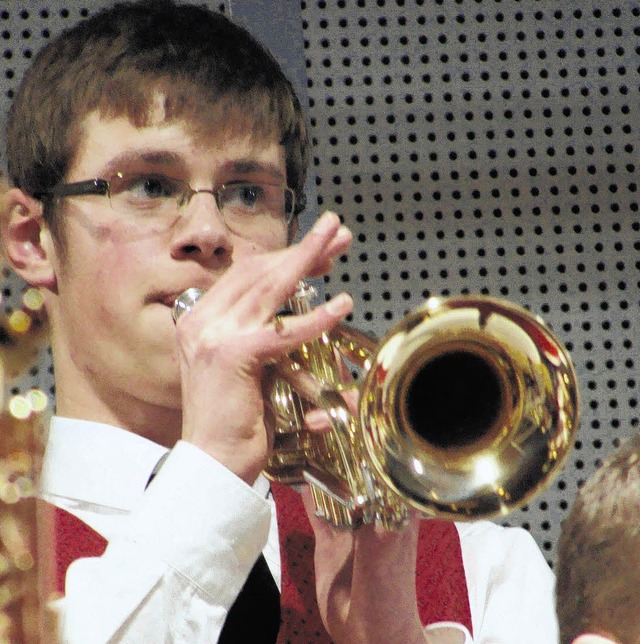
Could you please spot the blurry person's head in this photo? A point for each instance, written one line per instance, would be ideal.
(598, 574)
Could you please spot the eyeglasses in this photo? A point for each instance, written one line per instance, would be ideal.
(156, 197)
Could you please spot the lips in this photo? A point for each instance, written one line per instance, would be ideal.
(168, 298)
(168, 293)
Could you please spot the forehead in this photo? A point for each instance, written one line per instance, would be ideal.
(105, 141)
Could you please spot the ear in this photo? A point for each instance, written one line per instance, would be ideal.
(26, 239)
(293, 230)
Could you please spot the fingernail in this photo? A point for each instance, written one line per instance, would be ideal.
(343, 233)
(326, 221)
(340, 305)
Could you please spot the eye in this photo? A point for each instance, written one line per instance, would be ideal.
(153, 186)
(245, 195)
(145, 192)
(253, 200)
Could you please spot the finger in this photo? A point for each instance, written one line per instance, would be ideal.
(327, 240)
(314, 255)
(335, 248)
(275, 274)
(334, 237)
(289, 332)
(319, 421)
(341, 242)
(334, 549)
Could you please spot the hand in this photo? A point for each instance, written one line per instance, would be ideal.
(229, 337)
(365, 581)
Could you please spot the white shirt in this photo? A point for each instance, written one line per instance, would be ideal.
(180, 551)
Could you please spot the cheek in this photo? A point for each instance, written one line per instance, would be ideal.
(273, 239)
(106, 265)
(266, 241)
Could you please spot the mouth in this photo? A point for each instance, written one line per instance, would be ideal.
(169, 300)
(166, 298)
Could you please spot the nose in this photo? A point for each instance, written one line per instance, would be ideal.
(200, 232)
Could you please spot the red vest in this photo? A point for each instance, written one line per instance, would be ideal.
(440, 579)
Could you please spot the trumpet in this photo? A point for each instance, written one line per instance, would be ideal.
(467, 409)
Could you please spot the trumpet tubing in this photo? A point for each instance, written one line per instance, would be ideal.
(468, 407)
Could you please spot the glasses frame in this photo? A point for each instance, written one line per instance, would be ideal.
(102, 188)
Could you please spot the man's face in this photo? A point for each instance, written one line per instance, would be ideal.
(111, 316)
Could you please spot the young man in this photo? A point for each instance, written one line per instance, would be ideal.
(153, 148)
(598, 590)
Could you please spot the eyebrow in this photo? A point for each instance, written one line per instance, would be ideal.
(168, 159)
(251, 166)
(151, 156)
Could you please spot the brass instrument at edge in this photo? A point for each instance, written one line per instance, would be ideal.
(23, 525)
(467, 408)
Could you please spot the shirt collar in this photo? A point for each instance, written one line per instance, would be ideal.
(97, 463)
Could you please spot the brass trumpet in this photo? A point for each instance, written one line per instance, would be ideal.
(467, 408)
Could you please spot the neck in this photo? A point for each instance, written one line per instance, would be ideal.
(159, 423)
(153, 412)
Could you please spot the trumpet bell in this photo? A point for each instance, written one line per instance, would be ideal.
(469, 407)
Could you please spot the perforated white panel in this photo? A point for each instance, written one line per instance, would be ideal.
(472, 146)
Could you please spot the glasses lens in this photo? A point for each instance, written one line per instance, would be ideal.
(146, 194)
(153, 196)
(244, 202)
